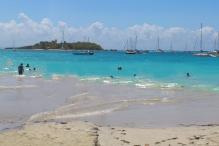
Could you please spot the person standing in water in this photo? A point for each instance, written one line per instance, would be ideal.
(21, 69)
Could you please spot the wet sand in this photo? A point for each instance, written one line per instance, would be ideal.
(40, 106)
(86, 134)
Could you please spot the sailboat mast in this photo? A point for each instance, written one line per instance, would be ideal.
(136, 41)
(201, 41)
(126, 44)
(215, 44)
(63, 38)
(158, 42)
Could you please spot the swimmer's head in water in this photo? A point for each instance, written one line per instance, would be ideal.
(119, 68)
(188, 74)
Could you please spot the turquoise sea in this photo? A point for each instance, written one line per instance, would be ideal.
(78, 87)
(165, 70)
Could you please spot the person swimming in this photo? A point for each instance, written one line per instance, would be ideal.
(188, 74)
(119, 68)
(134, 75)
(27, 65)
(21, 69)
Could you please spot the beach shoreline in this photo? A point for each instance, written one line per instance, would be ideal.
(146, 117)
(33, 99)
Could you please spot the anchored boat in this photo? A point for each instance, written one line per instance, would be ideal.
(84, 53)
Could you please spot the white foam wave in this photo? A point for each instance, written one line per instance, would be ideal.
(86, 114)
(56, 77)
(145, 85)
(90, 79)
(169, 85)
(72, 111)
(17, 87)
(20, 76)
(107, 81)
(122, 82)
(36, 76)
(216, 89)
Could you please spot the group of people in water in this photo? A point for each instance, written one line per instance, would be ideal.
(21, 68)
(134, 75)
(120, 69)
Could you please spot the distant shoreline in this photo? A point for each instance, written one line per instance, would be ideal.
(54, 45)
(64, 50)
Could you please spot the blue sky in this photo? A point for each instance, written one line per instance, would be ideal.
(111, 22)
(117, 13)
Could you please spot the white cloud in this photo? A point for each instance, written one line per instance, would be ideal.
(26, 31)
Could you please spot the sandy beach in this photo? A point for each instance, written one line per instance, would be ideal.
(50, 134)
(87, 134)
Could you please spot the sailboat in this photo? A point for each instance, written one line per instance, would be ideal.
(201, 53)
(128, 45)
(158, 46)
(171, 47)
(215, 53)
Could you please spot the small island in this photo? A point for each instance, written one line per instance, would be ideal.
(47, 45)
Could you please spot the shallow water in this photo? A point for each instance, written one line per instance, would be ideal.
(38, 99)
(79, 88)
